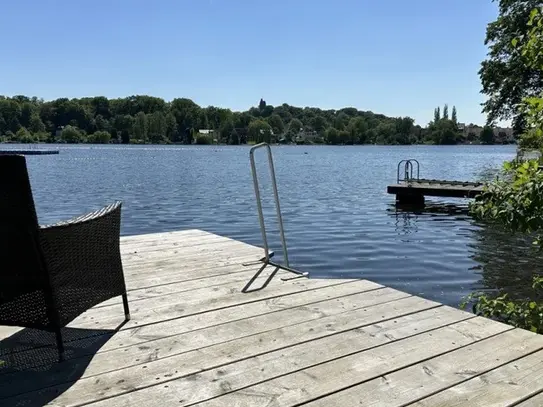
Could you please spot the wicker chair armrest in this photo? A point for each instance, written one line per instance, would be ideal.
(87, 217)
(83, 260)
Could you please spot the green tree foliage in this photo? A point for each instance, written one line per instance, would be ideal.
(242, 120)
(10, 112)
(225, 132)
(404, 128)
(267, 111)
(157, 127)
(147, 119)
(319, 124)
(23, 136)
(101, 123)
(523, 313)
(203, 139)
(171, 132)
(294, 127)
(100, 137)
(71, 134)
(385, 131)
(454, 116)
(357, 129)
(123, 122)
(141, 127)
(341, 120)
(35, 124)
(276, 123)
(234, 138)
(27, 111)
(41, 137)
(531, 48)
(284, 111)
(332, 136)
(506, 77)
(443, 130)
(487, 135)
(516, 200)
(344, 137)
(259, 131)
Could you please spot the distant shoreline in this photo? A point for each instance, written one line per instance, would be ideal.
(247, 144)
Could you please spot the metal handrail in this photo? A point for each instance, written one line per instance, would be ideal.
(259, 201)
(266, 259)
(408, 170)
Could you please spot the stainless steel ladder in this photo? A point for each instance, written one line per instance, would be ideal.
(408, 170)
(267, 258)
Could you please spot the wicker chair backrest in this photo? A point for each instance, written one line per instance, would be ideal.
(22, 272)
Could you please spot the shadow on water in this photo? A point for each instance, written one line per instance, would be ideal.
(406, 216)
(29, 362)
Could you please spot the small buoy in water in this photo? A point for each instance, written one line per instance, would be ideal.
(305, 152)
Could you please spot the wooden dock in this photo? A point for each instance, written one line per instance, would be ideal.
(413, 191)
(196, 339)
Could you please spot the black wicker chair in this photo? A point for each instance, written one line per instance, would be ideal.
(50, 275)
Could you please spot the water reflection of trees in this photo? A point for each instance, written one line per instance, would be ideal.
(508, 261)
(504, 261)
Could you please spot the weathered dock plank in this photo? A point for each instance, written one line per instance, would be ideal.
(274, 364)
(534, 401)
(340, 374)
(504, 386)
(412, 383)
(196, 339)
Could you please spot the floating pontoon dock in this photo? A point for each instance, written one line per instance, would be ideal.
(411, 189)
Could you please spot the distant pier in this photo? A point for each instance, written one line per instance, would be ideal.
(28, 152)
(410, 189)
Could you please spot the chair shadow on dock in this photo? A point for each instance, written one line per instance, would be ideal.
(29, 362)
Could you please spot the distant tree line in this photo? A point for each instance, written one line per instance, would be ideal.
(147, 119)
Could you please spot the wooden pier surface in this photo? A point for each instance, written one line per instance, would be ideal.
(196, 339)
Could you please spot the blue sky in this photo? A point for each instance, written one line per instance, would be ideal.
(396, 57)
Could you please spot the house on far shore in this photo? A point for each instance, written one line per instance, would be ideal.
(308, 136)
(472, 131)
(208, 133)
(58, 132)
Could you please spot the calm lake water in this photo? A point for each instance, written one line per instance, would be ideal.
(339, 220)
